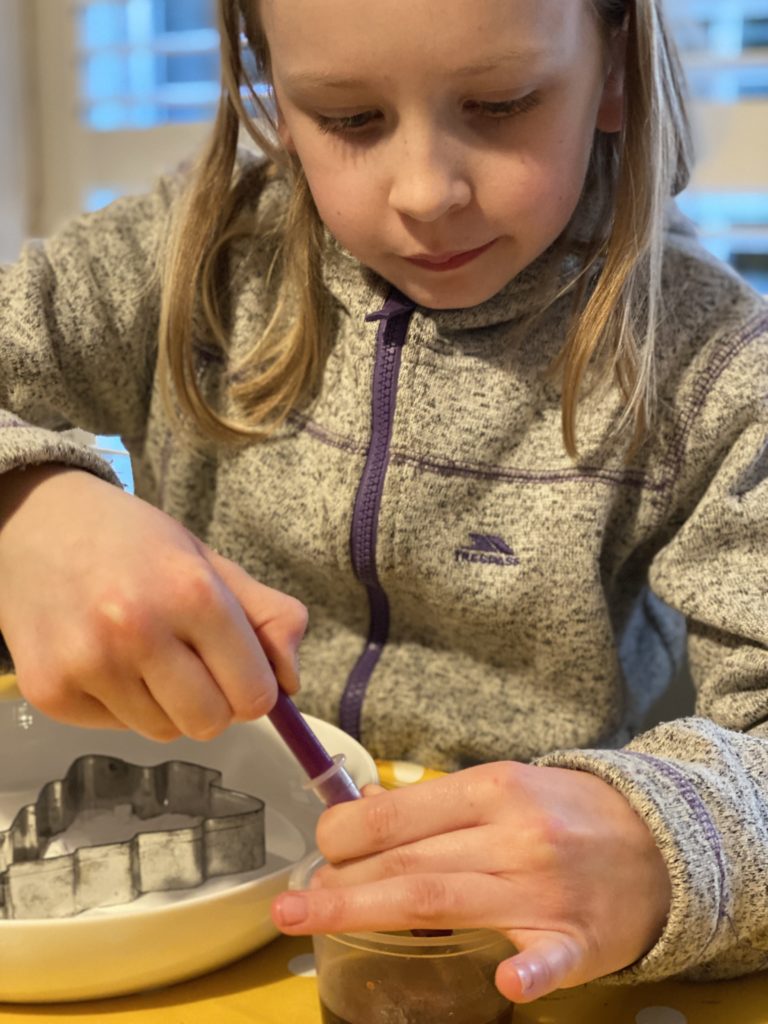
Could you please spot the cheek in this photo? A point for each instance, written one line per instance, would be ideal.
(339, 192)
(345, 202)
(553, 177)
(540, 194)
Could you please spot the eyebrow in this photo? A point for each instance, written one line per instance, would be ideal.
(328, 80)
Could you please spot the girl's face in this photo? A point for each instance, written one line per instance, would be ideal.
(445, 143)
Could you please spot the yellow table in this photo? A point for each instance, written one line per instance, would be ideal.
(276, 985)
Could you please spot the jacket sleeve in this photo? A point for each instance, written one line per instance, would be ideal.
(701, 783)
(78, 327)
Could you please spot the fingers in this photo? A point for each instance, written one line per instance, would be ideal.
(460, 900)
(447, 853)
(278, 620)
(549, 962)
(94, 696)
(81, 710)
(390, 819)
(183, 691)
(209, 619)
(139, 624)
(133, 706)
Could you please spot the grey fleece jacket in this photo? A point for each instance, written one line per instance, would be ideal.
(474, 594)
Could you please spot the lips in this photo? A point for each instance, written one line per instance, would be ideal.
(449, 260)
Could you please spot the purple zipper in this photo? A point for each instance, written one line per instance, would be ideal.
(393, 319)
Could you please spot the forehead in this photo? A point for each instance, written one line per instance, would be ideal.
(324, 36)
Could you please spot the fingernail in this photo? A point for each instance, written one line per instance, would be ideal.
(292, 909)
(525, 976)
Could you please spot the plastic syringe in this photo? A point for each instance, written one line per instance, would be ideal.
(327, 775)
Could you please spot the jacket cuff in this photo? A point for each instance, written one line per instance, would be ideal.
(23, 445)
(662, 794)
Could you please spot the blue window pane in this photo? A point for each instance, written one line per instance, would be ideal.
(720, 209)
(97, 198)
(106, 117)
(138, 52)
(187, 115)
(111, 449)
(105, 75)
(173, 16)
(189, 67)
(755, 33)
(102, 25)
(754, 267)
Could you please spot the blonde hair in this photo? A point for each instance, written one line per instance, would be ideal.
(617, 295)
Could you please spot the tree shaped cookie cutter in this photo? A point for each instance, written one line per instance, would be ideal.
(227, 837)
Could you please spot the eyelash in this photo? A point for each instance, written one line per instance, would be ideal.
(356, 124)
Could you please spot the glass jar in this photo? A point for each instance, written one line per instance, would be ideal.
(400, 978)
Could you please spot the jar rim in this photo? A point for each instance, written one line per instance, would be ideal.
(466, 940)
(459, 943)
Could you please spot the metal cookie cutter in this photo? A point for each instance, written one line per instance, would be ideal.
(226, 838)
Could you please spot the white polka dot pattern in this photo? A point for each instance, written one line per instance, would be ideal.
(303, 966)
(660, 1015)
(407, 771)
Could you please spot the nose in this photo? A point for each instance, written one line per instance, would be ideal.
(429, 179)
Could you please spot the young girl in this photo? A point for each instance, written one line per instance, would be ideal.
(446, 368)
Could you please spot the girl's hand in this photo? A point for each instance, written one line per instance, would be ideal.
(557, 860)
(116, 616)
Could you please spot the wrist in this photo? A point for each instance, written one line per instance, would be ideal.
(17, 484)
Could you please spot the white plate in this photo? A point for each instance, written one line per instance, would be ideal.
(159, 938)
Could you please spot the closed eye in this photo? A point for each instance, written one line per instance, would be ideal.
(351, 123)
(360, 123)
(503, 108)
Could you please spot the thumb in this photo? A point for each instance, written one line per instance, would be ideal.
(278, 619)
(548, 962)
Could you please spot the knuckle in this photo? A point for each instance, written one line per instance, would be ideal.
(255, 704)
(400, 860)
(332, 908)
(500, 778)
(206, 729)
(381, 819)
(490, 786)
(328, 833)
(198, 588)
(164, 733)
(52, 690)
(428, 898)
(48, 693)
(298, 617)
(550, 833)
(120, 619)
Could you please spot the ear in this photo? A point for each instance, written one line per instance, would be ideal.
(610, 113)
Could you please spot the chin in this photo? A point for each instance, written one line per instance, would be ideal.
(449, 295)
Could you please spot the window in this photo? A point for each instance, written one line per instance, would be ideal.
(144, 82)
(129, 86)
(725, 47)
(143, 63)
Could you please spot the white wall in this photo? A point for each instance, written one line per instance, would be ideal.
(16, 187)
